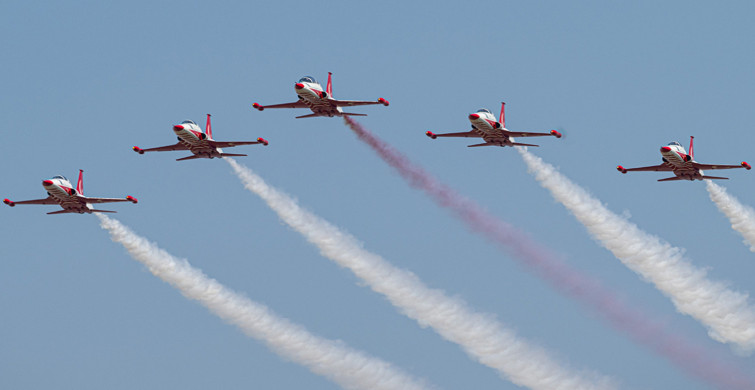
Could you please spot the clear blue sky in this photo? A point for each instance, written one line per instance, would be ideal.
(84, 81)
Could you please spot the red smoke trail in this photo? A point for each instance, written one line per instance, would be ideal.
(692, 358)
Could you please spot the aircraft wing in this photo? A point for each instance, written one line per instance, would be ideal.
(655, 168)
(107, 200)
(229, 144)
(296, 104)
(716, 166)
(353, 103)
(524, 134)
(465, 134)
(178, 146)
(47, 200)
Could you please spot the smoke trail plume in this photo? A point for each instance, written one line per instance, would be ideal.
(742, 217)
(480, 335)
(727, 314)
(347, 367)
(690, 357)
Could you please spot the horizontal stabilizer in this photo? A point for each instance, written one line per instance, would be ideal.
(672, 178)
(103, 211)
(232, 155)
(352, 114)
(307, 116)
(61, 212)
(521, 144)
(715, 177)
(190, 157)
(485, 144)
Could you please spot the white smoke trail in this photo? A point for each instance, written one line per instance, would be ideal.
(742, 217)
(480, 335)
(727, 314)
(349, 368)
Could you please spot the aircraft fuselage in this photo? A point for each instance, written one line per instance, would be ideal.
(63, 192)
(676, 157)
(316, 99)
(195, 140)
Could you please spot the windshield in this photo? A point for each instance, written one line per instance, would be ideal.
(60, 177)
(188, 122)
(674, 144)
(307, 79)
(485, 110)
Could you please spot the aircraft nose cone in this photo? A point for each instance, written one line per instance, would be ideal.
(178, 127)
(665, 149)
(299, 86)
(46, 183)
(473, 117)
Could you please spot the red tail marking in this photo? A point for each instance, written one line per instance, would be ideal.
(209, 128)
(691, 151)
(80, 184)
(502, 121)
(329, 87)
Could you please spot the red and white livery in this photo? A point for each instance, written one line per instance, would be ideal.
(72, 200)
(191, 138)
(321, 102)
(493, 132)
(675, 159)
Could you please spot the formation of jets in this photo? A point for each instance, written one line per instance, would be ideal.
(321, 102)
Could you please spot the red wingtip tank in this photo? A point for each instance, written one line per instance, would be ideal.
(138, 150)
(431, 134)
(258, 106)
(262, 141)
(746, 165)
(132, 199)
(556, 134)
(383, 102)
(9, 202)
(621, 169)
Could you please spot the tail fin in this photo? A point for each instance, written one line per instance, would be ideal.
(208, 129)
(691, 151)
(80, 184)
(502, 119)
(329, 87)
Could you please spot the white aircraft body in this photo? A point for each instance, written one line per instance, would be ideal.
(494, 133)
(321, 102)
(201, 144)
(72, 200)
(675, 159)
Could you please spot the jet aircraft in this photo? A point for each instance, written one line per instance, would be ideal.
(322, 103)
(684, 166)
(493, 132)
(61, 192)
(191, 138)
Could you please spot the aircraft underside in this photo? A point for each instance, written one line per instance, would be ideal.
(322, 109)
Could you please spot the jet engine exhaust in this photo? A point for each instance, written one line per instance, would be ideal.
(480, 335)
(726, 313)
(741, 217)
(691, 357)
(349, 368)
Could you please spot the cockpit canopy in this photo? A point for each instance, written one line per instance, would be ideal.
(60, 177)
(485, 110)
(188, 122)
(674, 144)
(308, 79)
